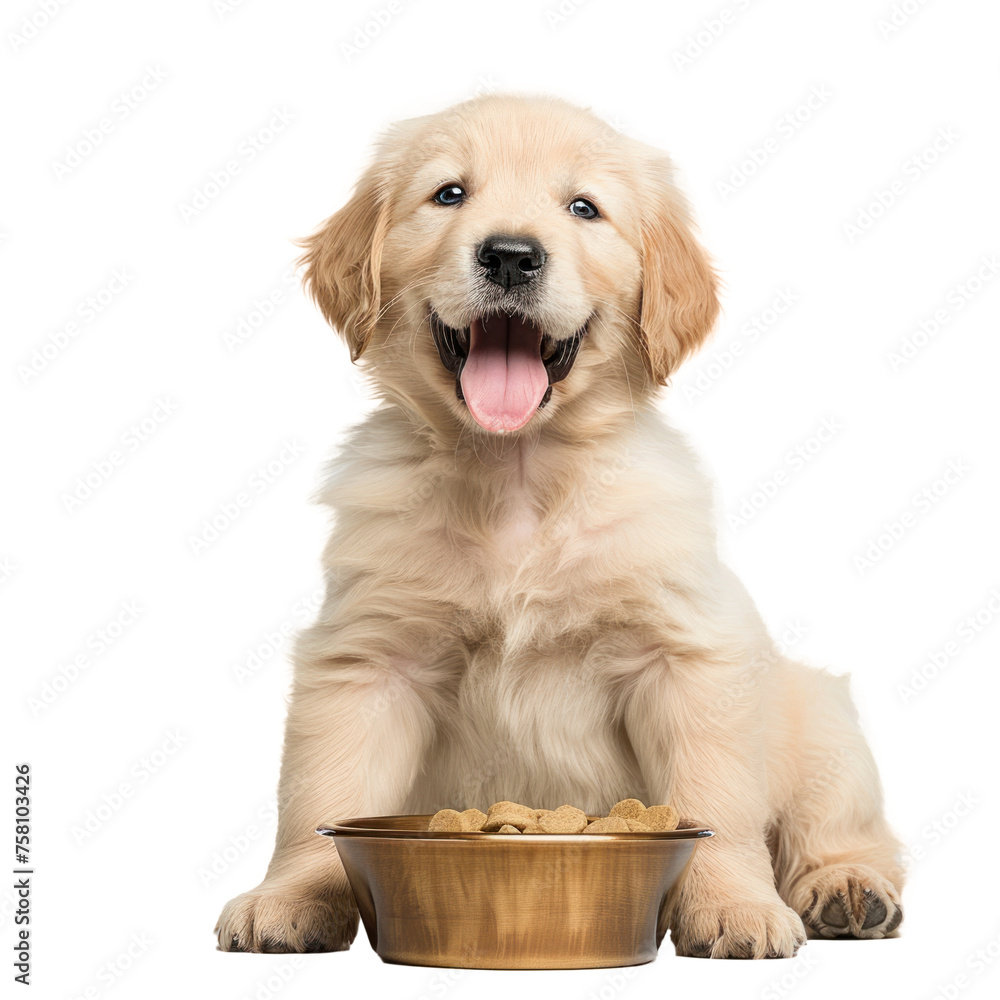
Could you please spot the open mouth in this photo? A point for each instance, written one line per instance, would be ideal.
(504, 366)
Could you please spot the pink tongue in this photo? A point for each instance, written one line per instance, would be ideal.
(504, 377)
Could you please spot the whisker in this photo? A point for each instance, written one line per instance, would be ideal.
(419, 277)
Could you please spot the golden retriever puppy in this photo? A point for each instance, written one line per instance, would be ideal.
(524, 596)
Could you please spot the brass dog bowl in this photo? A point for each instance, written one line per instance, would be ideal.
(506, 901)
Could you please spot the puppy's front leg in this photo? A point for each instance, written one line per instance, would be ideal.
(354, 740)
(697, 732)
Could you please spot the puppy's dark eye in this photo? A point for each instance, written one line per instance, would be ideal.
(450, 194)
(583, 209)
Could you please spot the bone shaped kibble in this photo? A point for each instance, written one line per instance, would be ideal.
(627, 816)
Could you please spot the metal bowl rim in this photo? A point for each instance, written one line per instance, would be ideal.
(369, 826)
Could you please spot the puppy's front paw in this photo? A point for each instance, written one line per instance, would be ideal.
(850, 901)
(749, 930)
(275, 922)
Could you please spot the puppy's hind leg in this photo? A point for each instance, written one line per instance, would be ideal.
(836, 859)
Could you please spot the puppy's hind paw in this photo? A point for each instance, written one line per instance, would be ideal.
(851, 901)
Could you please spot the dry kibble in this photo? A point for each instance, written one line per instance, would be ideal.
(510, 807)
(661, 817)
(505, 812)
(629, 815)
(609, 824)
(507, 818)
(447, 820)
(628, 809)
(565, 819)
(473, 819)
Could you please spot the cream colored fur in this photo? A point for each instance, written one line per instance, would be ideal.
(542, 616)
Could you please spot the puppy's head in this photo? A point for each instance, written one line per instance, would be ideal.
(513, 261)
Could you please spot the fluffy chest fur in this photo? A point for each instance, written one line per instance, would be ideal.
(504, 525)
(542, 578)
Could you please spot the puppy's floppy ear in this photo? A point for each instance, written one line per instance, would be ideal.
(343, 261)
(679, 286)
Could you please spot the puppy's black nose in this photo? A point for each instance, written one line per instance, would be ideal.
(510, 260)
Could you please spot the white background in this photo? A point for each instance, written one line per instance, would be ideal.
(162, 710)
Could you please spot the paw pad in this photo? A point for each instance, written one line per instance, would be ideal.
(854, 902)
